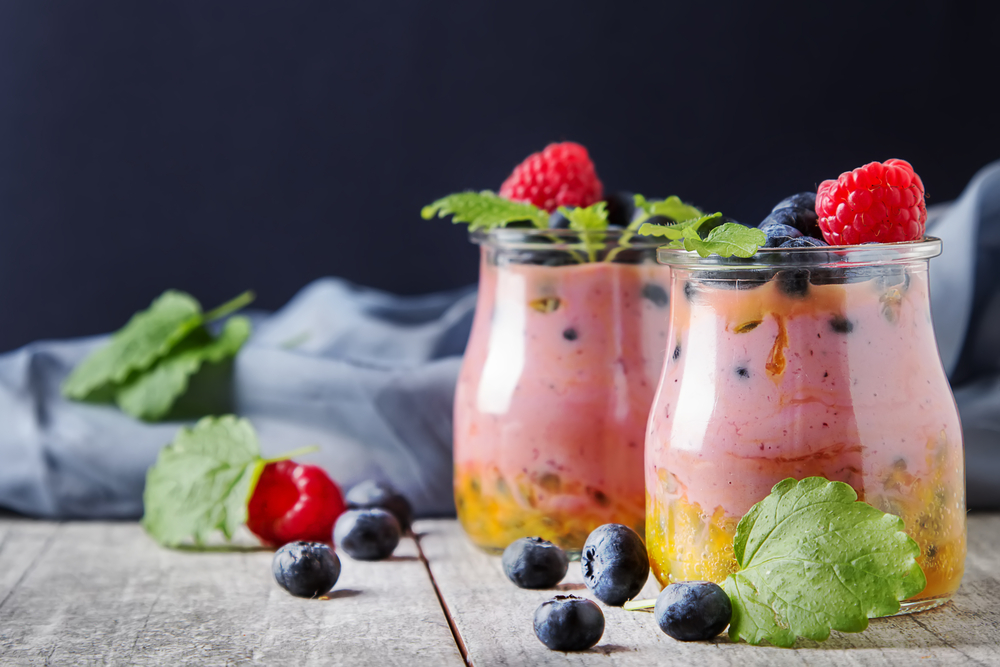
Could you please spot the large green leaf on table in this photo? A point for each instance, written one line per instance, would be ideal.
(148, 336)
(202, 482)
(485, 210)
(150, 396)
(813, 558)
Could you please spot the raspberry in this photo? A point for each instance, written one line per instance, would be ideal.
(881, 202)
(294, 502)
(561, 175)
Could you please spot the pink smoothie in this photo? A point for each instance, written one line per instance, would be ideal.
(842, 381)
(553, 397)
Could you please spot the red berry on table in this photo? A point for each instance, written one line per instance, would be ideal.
(560, 175)
(881, 202)
(292, 502)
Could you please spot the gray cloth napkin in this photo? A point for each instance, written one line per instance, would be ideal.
(369, 378)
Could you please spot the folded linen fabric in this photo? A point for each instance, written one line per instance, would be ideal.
(369, 377)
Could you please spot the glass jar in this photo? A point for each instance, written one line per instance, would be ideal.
(794, 363)
(552, 399)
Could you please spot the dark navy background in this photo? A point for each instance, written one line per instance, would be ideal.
(219, 146)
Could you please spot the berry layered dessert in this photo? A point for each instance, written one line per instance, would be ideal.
(566, 348)
(814, 357)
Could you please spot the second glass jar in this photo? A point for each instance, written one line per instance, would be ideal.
(798, 363)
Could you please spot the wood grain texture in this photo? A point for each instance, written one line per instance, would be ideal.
(105, 594)
(494, 618)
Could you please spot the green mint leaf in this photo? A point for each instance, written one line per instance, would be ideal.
(591, 218)
(727, 240)
(591, 222)
(202, 482)
(149, 335)
(671, 207)
(485, 210)
(677, 231)
(150, 395)
(814, 559)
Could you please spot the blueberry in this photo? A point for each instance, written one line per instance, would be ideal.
(693, 610)
(621, 208)
(306, 569)
(689, 290)
(369, 534)
(570, 334)
(370, 493)
(801, 200)
(569, 623)
(532, 562)
(793, 282)
(656, 294)
(803, 242)
(614, 563)
(841, 324)
(777, 232)
(559, 221)
(803, 211)
(743, 372)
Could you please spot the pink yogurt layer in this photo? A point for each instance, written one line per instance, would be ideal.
(846, 383)
(558, 379)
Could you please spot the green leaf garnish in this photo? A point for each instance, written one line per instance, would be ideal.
(202, 482)
(591, 222)
(813, 558)
(149, 396)
(485, 210)
(147, 364)
(672, 207)
(147, 337)
(726, 240)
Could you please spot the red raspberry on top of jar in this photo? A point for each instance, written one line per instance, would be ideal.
(881, 202)
(560, 175)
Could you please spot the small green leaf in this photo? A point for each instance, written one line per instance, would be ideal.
(727, 240)
(149, 335)
(672, 207)
(591, 222)
(677, 231)
(202, 482)
(814, 559)
(150, 395)
(485, 210)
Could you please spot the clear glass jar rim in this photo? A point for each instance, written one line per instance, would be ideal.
(520, 238)
(830, 256)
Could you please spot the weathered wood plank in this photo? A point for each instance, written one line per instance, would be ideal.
(494, 618)
(104, 593)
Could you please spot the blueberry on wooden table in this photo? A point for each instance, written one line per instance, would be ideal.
(370, 494)
(532, 562)
(614, 563)
(569, 623)
(693, 610)
(367, 534)
(306, 569)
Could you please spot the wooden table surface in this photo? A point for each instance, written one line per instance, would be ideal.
(99, 593)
